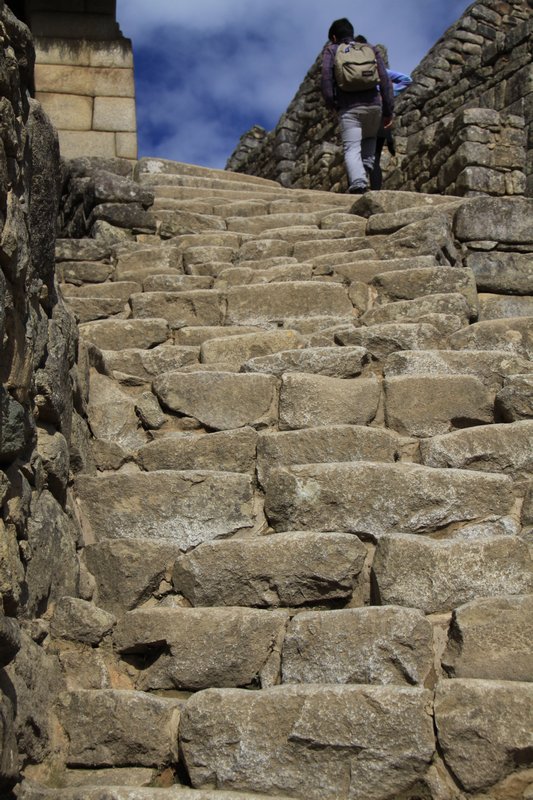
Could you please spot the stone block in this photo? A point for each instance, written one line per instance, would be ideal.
(358, 645)
(451, 303)
(68, 112)
(501, 306)
(90, 81)
(128, 572)
(430, 405)
(331, 443)
(114, 114)
(514, 335)
(413, 283)
(124, 334)
(185, 508)
(491, 367)
(507, 218)
(141, 262)
(365, 270)
(90, 143)
(147, 364)
(334, 362)
(280, 570)
(491, 638)
(351, 497)
(505, 448)
(514, 401)
(231, 451)
(235, 350)
(290, 738)
(386, 338)
(80, 621)
(112, 728)
(180, 309)
(126, 145)
(254, 305)
(484, 729)
(197, 648)
(439, 575)
(220, 400)
(309, 401)
(501, 272)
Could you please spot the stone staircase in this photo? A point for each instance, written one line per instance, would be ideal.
(305, 499)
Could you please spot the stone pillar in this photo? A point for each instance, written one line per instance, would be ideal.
(84, 76)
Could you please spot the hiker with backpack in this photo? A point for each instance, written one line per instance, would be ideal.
(356, 85)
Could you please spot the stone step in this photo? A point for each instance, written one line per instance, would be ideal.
(245, 275)
(123, 334)
(309, 401)
(292, 737)
(502, 306)
(439, 575)
(514, 335)
(184, 507)
(381, 340)
(291, 570)
(180, 309)
(117, 728)
(335, 362)
(449, 303)
(274, 302)
(350, 497)
(146, 167)
(112, 791)
(148, 364)
(365, 269)
(419, 282)
(267, 222)
(228, 451)
(197, 648)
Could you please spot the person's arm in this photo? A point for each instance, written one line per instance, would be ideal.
(387, 93)
(399, 81)
(328, 81)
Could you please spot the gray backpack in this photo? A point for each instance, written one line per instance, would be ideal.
(356, 68)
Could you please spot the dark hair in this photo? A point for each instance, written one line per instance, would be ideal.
(361, 39)
(341, 29)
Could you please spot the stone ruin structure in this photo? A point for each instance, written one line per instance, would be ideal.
(266, 497)
(83, 75)
(464, 127)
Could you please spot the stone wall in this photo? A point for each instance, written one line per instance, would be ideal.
(84, 76)
(483, 61)
(41, 411)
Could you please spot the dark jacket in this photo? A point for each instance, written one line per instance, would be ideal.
(335, 98)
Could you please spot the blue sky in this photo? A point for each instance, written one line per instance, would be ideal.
(207, 70)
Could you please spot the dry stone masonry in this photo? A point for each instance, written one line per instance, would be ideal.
(265, 483)
(464, 127)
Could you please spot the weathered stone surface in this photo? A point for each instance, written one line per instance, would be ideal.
(175, 283)
(308, 401)
(358, 645)
(52, 570)
(484, 729)
(143, 261)
(201, 648)
(376, 498)
(231, 451)
(515, 400)
(220, 400)
(502, 306)
(491, 367)
(196, 335)
(109, 792)
(9, 640)
(290, 738)
(110, 728)
(429, 405)
(80, 621)
(110, 188)
(147, 364)
(501, 272)
(512, 335)
(384, 339)
(128, 572)
(121, 334)
(14, 427)
(286, 569)
(491, 638)
(184, 507)
(111, 414)
(506, 449)
(507, 219)
(9, 756)
(33, 677)
(332, 443)
(199, 307)
(235, 350)
(84, 667)
(412, 283)
(335, 362)
(437, 576)
(392, 221)
(451, 303)
(258, 304)
(94, 272)
(124, 215)
(389, 202)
